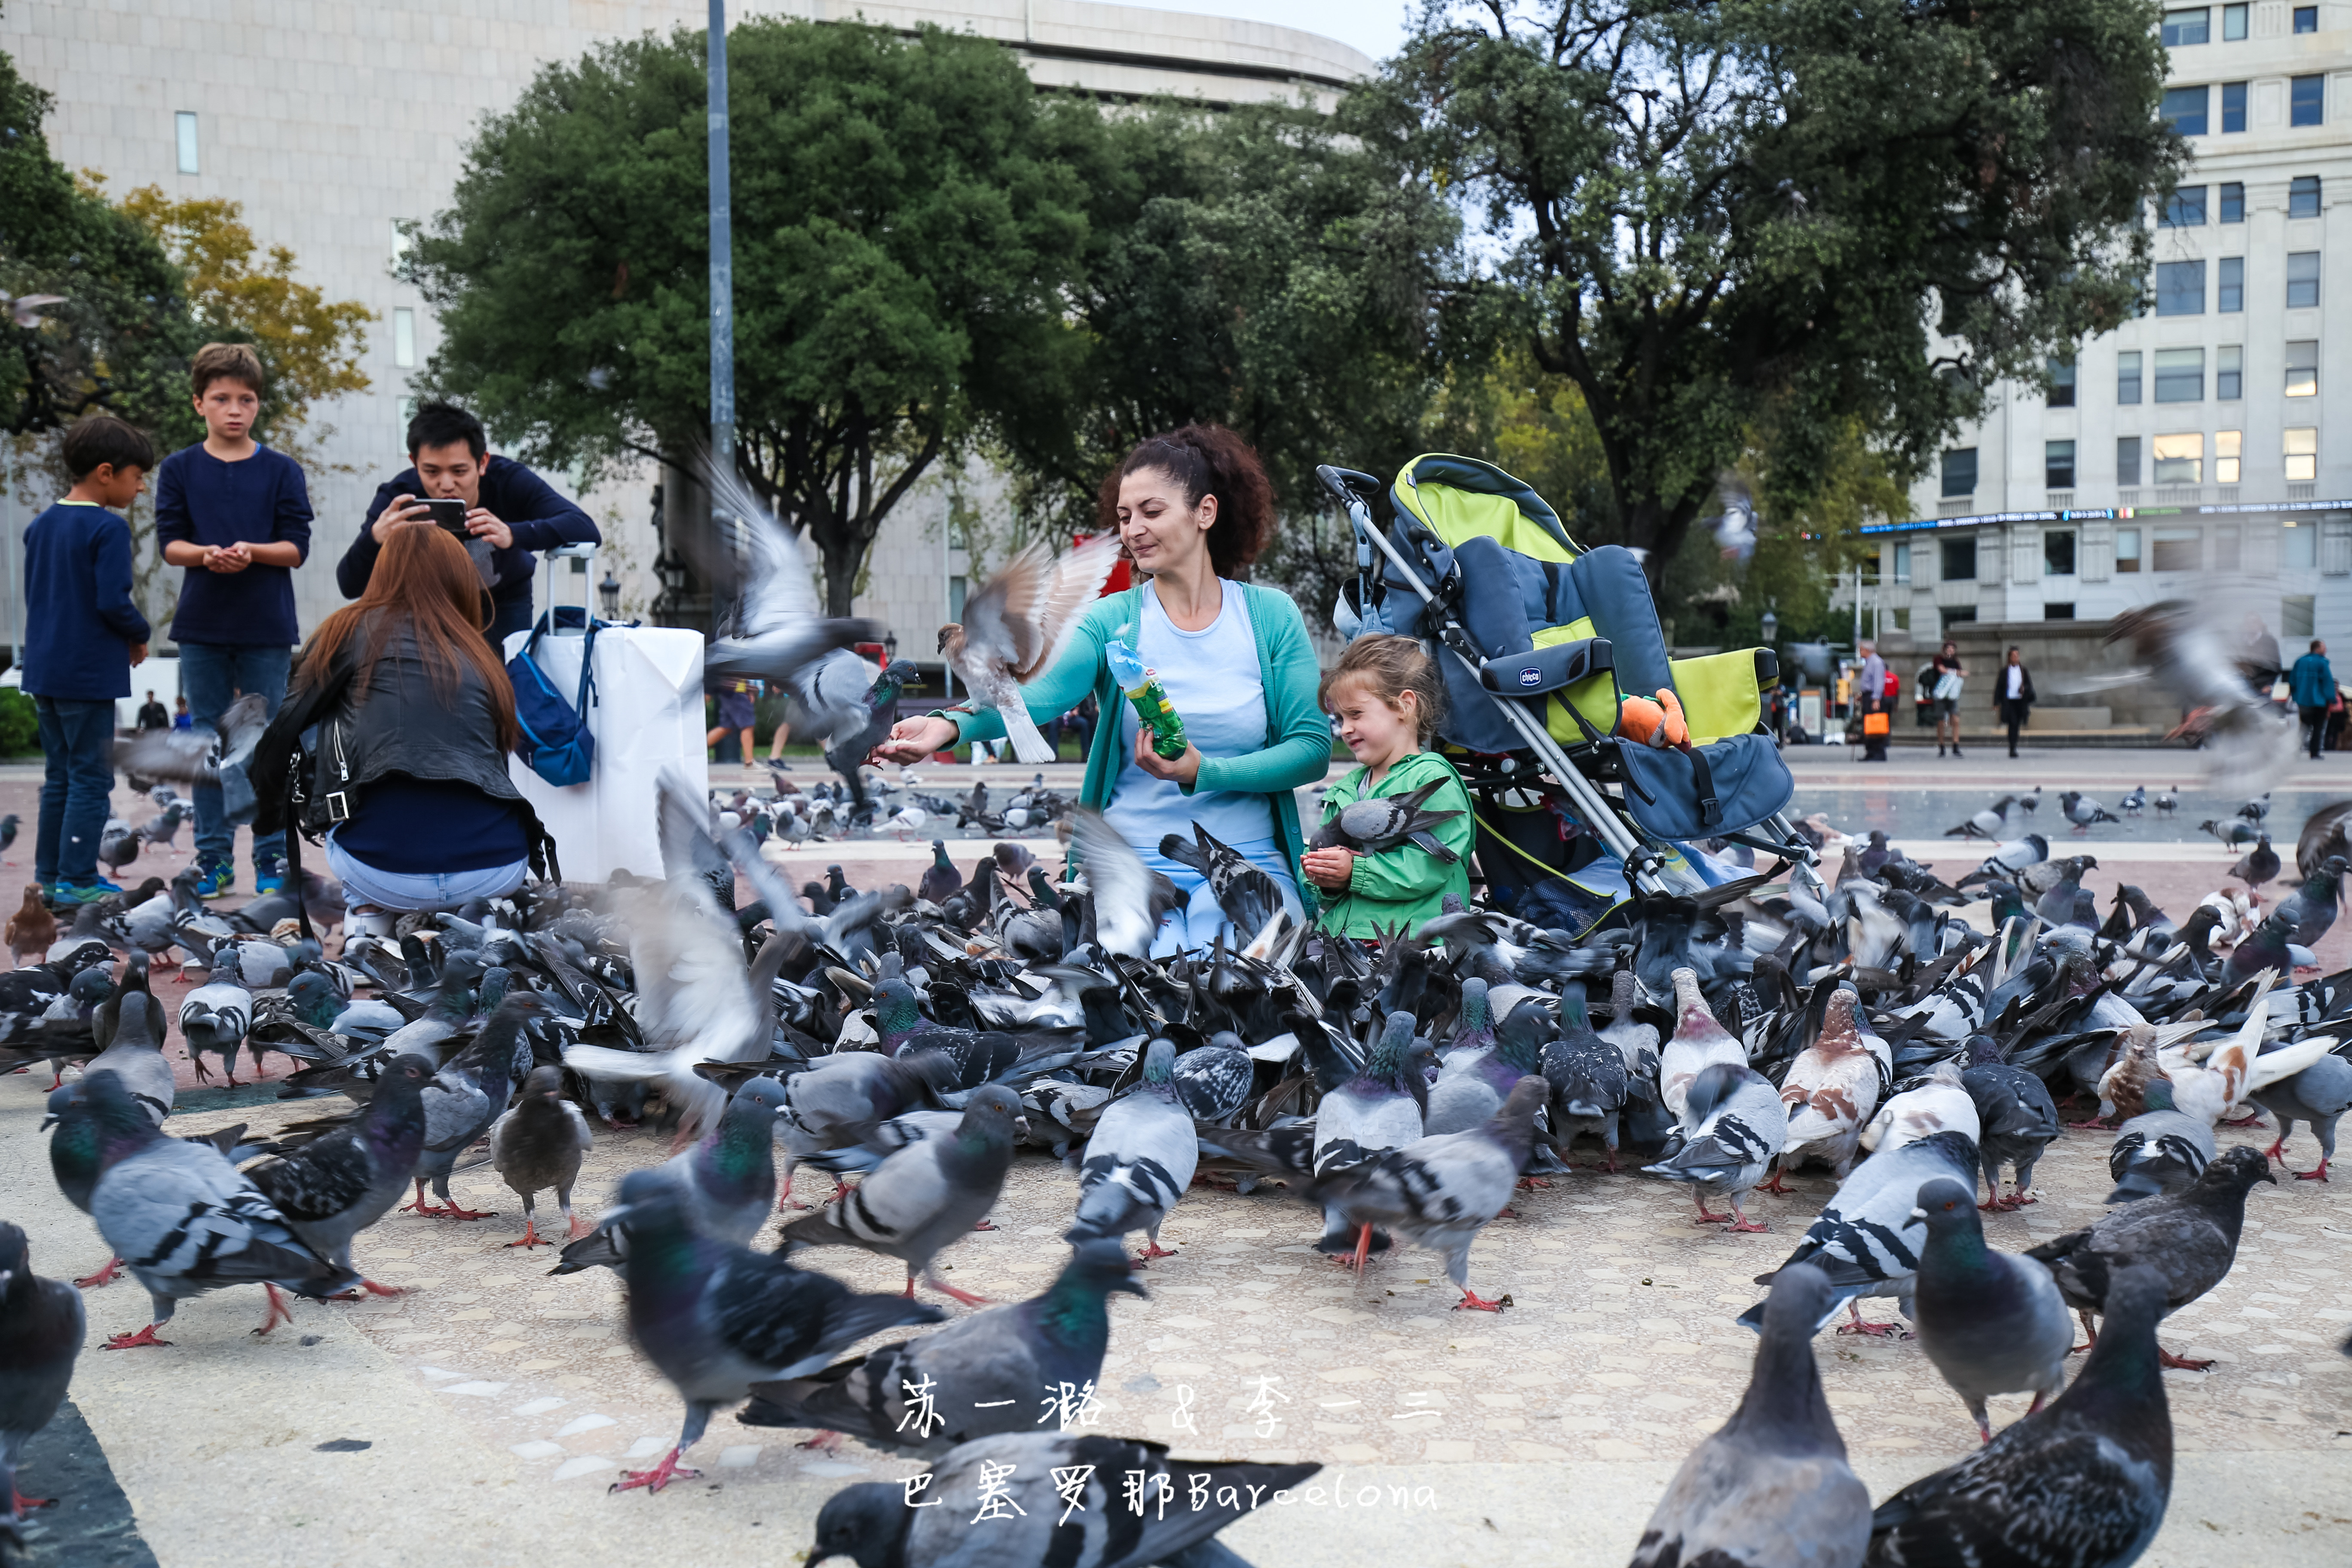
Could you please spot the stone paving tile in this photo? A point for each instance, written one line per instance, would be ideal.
(1620, 1343)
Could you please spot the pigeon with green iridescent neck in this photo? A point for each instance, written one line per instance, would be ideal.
(726, 1183)
(1383, 1107)
(1474, 1079)
(1139, 1160)
(983, 1374)
(979, 1055)
(343, 1182)
(1587, 1075)
(716, 1317)
(1992, 1323)
(42, 1324)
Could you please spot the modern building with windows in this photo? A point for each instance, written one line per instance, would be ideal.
(2188, 453)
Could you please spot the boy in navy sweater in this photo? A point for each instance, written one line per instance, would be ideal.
(83, 634)
(237, 516)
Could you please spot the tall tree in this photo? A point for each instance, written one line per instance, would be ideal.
(1721, 217)
(904, 231)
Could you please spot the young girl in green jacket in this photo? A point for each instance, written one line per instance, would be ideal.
(1386, 696)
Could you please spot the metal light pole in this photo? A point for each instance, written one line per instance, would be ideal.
(722, 253)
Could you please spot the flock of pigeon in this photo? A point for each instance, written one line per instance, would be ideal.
(908, 1043)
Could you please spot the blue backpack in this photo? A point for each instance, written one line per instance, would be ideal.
(554, 738)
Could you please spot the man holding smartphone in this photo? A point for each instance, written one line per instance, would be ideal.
(505, 507)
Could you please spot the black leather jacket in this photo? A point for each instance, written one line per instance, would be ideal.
(400, 723)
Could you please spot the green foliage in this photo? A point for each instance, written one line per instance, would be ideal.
(20, 725)
(906, 227)
(1722, 220)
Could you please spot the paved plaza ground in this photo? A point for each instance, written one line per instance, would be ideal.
(497, 1403)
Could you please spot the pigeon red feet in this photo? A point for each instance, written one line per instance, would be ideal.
(279, 1312)
(145, 1336)
(823, 1443)
(105, 1276)
(1708, 1216)
(985, 1225)
(1854, 1325)
(580, 1227)
(456, 1212)
(652, 1481)
(1742, 1226)
(373, 1289)
(1775, 1187)
(530, 1237)
(2087, 1126)
(1506, 1212)
(422, 1204)
(2180, 1363)
(2251, 1119)
(1529, 1184)
(18, 1502)
(1471, 1302)
(966, 1297)
(2318, 1175)
(1153, 1250)
(2276, 1150)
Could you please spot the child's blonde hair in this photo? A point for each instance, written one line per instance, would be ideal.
(1389, 666)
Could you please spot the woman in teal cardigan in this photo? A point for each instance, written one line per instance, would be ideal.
(1191, 507)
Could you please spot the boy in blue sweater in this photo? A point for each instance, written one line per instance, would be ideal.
(237, 516)
(83, 634)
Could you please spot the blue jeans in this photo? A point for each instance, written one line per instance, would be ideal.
(77, 747)
(215, 675)
(364, 884)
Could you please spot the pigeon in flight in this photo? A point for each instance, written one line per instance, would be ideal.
(1017, 625)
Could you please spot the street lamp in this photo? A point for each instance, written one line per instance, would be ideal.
(1771, 628)
(889, 649)
(609, 590)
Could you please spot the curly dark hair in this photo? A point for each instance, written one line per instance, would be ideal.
(1206, 460)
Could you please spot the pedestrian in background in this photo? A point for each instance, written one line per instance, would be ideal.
(1949, 678)
(2311, 688)
(83, 634)
(237, 515)
(738, 713)
(154, 715)
(2014, 693)
(1870, 698)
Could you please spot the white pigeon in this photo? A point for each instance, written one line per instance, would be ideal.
(1940, 1103)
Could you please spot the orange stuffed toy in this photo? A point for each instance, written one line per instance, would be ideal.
(1660, 723)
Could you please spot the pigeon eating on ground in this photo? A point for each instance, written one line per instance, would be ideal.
(1991, 1322)
(539, 1144)
(1733, 1126)
(1139, 1160)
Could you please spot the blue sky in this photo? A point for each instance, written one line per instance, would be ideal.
(1375, 27)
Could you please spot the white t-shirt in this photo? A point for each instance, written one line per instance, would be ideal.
(2016, 681)
(1213, 678)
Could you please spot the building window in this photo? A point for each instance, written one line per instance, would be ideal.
(2183, 27)
(2226, 445)
(2061, 390)
(2057, 612)
(2180, 460)
(1959, 614)
(2303, 196)
(2186, 209)
(2127, 549)
(2127, 377)
(2058, 552)
(1960, 476)
(2234, 203)
(2227, 555)
(2299, 549)
(2179, 378)
(2230, 293)
(2127, 459)
(2303, 368)
(2233, 108)
(2306, 100)
(2179, 289)
(2302, 451)
(957, 589)
(2184, 108)
(2295, 616)
(2229, 374)
(2177, 549)
(1959, 562)
(2301, 278)
(1902, 564)
(404, 337)
(2233, 23)
(2306, 18)
(2058, 465)
(184, 125)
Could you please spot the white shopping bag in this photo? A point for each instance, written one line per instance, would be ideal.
(646, 716)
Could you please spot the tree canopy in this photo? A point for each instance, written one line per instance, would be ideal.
(905, 229)
(1722, 218)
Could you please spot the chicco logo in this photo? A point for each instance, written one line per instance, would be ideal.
(1530, 676)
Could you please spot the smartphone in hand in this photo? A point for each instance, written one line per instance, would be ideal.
(448, 515)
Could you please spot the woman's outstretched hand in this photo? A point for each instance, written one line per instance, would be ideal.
(913, 739)
(1183, 769)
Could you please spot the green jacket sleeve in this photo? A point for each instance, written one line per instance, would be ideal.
(1400, 876)
(1060, 689)
(1300, 751)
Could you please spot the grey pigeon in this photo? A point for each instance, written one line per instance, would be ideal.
(1587, 1074)
(130, 1025)
(213, 1020)
(2082, 811)
(1249, 898)
(2311, 908)
(42, 1325)
(338, 1185)
(163, 827)
(2009, 860)
(1440, 1192)
(183, 1219)
(716, 1317)
(1376, 1110)
(469, 1092)
(1991, 1322)
(1985, 824)
(726, 1183)
(1771, 1487)
(2258, 865)
(1375, 825)
(1139, 1160)
(198, 755)
(1090, 1525)
(1474, 1079)
(1215, 1080)
(2081, 1484)
(1865, 1239)
(2191, 1237)
(2231, 831)
(924, 1197)
(941, 880)
(2017, 1120)
(2161, 1149)
(539, 1144)
(1733, 1124)
(2318, 1095)
(979, 1375)
(2135, 803)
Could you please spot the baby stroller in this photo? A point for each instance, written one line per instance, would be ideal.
(1539, 643)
